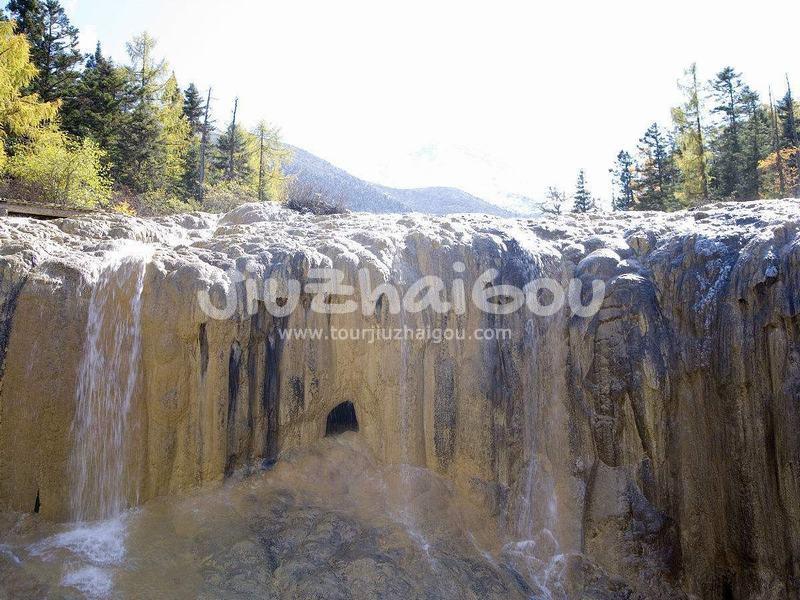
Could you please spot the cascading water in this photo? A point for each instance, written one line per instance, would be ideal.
(101, 478)
(106, 383)
(107, 380)
(537, 549)
(406, 467)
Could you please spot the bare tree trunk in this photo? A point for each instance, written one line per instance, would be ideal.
(776, 147)
(203, 145)
(754, 146)
(232, 141)
(793, 134)
(261, 165)
(699, 126)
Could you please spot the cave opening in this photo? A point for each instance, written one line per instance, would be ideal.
(342, 418)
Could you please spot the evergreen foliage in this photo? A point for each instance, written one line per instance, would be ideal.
(623, 175)
(582, 200)
(193, 108)
(96, 110)
(656, 174)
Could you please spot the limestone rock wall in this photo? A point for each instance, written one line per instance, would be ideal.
(660, 437)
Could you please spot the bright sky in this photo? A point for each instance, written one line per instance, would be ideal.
(503, 95)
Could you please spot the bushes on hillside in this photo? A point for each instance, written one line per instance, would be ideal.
(227, 195)
(308, 198)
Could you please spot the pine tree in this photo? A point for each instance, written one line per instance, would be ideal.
(193, 108)
(140, 152)
(141, 156)
(726, 168)
(96, 110)
(25, 13)
(622, 174)
(582, 200)
(655, 174)
(790, 140)
(54, 46)
(233, 152)
(755, 135)
(691, 156)
(205, 136)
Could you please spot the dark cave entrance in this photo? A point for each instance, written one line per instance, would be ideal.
(342, 418)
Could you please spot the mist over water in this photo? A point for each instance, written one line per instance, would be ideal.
(326, 521)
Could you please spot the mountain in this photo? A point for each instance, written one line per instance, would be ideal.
(479, 173)
(359, 195)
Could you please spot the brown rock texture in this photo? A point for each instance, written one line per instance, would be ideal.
(655, 443)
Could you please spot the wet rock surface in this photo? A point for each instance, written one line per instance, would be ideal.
(655, 442)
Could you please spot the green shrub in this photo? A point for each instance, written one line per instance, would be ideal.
(57, 168)
(227, 195)
(159, 202)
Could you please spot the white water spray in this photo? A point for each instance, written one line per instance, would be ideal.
(106, 383)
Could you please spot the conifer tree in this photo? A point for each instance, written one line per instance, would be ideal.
(622, 174)
(193, 108)
(755, 135)
(25, 13)
(582, 200)
(205, 136)
(196, 158)
(96, 109)
(233, 152)
(145, 72)
(54, 46)
(726, 90)
(790, 139)
(691, 156)
(261, 133)
(655, 175)
(141, 154)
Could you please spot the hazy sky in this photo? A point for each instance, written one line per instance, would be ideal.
(504, 95)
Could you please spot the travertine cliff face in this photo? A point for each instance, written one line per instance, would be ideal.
(659, 439)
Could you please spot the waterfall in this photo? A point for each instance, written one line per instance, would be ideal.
(404, 426)
(537, 547)
(107, 378)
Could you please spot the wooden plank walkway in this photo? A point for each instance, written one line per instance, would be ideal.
(37, 210)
